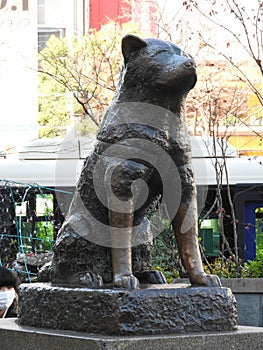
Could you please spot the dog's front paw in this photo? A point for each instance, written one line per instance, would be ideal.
(91, 280)
(206, 280)
(212, 281)
(126, 281)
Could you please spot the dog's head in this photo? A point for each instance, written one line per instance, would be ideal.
(158, 63)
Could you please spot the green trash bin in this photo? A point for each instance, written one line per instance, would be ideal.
(210, 241)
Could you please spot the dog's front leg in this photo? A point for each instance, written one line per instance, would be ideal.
(121, 226)
(186, 232)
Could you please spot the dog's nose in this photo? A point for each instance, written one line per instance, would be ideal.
(190, 64)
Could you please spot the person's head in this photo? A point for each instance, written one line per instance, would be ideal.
(8, 289)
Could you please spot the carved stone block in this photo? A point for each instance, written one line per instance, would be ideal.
(153, 309)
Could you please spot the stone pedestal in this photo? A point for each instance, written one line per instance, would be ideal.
(17, 337)
(154, 309)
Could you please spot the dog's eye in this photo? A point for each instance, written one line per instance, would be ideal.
(157, 53)
(162, 51)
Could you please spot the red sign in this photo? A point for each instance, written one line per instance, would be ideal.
(123, 11)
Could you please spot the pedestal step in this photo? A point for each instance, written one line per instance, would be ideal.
(17, 337)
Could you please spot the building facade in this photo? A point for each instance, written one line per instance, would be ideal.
(25, 28)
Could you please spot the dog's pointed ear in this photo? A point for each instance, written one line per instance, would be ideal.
(131, 43)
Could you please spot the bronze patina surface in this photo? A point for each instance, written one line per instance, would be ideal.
(142, 141)
(157, 309)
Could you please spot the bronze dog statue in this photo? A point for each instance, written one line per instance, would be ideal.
(142, 141)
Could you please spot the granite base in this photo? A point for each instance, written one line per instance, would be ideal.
(17, 337)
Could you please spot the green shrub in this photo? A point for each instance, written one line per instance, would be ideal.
(165, 257)
(224, 268)
(253, 269)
